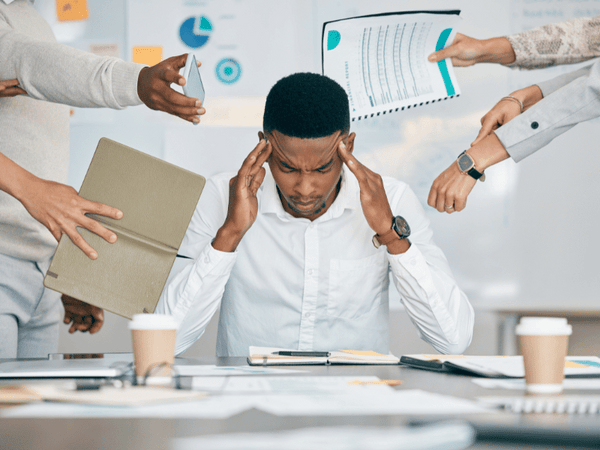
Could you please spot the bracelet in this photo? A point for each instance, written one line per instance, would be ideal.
(514, 99)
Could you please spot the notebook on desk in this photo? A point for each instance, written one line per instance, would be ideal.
(498, 366)
(158, 200)
(268, 356)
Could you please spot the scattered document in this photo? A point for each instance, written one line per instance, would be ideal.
(218, 407)
(112, 396)
(380, 402)
(519, 383)
(219, 371)
(381, 60)
(288, 384)
(441, 436)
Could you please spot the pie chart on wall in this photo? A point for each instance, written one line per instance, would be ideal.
(195, 31)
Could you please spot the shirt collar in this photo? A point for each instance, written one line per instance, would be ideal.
(347, 198)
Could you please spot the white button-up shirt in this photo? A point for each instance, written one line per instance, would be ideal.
(318, 285)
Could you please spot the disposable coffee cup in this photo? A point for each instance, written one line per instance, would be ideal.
(544, 342)
(153, 337)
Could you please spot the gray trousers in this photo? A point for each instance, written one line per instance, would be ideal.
(29, 313)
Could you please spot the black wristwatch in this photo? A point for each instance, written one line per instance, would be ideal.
(399, 230)
(466, 164)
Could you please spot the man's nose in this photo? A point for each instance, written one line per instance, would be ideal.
(304, 185)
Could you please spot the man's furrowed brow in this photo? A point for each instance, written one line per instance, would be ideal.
(326, 165)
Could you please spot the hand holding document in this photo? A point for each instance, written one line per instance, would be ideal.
(381, 60)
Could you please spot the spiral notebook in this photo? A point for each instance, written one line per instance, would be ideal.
(381, 60)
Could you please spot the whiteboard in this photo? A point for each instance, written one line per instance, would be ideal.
(528, 234)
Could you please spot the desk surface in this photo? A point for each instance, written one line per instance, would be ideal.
(150, 434)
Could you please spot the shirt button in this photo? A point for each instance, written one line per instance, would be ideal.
(308, 315)
(207, 259)
(535, 125)
(309, 272)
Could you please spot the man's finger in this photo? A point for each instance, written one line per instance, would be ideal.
(249, 161)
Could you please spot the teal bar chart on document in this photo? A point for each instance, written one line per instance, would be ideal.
(381, 60)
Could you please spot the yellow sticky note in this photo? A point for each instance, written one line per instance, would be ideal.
(363, 352)
(147, 55)
(574, 365)
(71, 10)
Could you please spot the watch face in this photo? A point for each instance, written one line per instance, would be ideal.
(465, 162)
(401, 227)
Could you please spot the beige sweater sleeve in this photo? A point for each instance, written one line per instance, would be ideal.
(60, 74)
(567, 42)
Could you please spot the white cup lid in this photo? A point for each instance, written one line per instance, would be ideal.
(153, 322)
(543, 326)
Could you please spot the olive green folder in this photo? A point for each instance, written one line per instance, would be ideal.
(158, 200)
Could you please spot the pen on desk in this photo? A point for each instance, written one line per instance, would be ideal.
(301, 353)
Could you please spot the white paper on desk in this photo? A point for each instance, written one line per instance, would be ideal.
(381, 60)
(218, 407)
(441, 436)
(519, 383)
(413, 402)
(289, 384)
(220, 371)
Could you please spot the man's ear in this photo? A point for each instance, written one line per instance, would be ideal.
(350, 142)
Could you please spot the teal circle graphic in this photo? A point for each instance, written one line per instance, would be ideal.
(228, 71)
(333, 39)
(195, 31)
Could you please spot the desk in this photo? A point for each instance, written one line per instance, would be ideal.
(151, 434)
(582, 342)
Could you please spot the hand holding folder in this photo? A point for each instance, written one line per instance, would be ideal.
(158, 200)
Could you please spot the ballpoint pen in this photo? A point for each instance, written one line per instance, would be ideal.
(301, 353)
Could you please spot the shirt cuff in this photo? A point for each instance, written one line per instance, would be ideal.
(125, 83)
(411, 261)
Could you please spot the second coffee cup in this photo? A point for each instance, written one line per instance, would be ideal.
(544, 342)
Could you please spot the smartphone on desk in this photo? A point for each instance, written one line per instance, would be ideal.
(193, 82)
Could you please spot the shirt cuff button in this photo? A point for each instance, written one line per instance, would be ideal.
(535, 125)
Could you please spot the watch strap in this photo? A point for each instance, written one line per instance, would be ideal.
(387, 237)
(475, 173)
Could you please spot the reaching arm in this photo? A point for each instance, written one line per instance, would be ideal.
(566, 106)
(60, 74)
(56, 206)
(567, 42)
